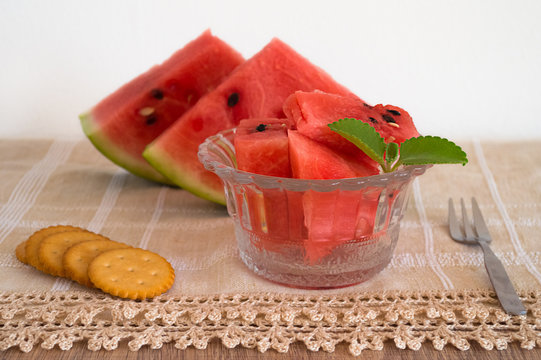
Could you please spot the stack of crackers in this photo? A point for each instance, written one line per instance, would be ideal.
(94, 260)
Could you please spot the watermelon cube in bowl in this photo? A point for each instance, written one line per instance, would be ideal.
(333, 232)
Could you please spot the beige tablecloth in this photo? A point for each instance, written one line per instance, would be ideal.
(434, 290)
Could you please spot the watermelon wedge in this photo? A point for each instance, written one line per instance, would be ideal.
(257, 88)
(121, 125)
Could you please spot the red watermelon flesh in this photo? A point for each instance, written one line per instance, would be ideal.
(331, 218)
(334, 218)
(311, 112)
(313, 160)
(275, 216)
(257, 88)
(122, 124)
(261, 147)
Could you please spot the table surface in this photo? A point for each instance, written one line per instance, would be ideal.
(433, 292)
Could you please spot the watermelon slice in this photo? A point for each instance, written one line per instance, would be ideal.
(122, 124)
(257, 88)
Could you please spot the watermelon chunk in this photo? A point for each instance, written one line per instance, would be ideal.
(311, 112)
(338, 216)
(331, 218)
(261, 147)
(257, 88)
(313, 160)
(122, 124)
(335, 217)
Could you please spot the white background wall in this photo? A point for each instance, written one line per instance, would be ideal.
(461, 68)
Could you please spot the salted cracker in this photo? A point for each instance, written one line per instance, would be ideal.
(53, 247)
(131, 273)
(77, 258)
(32, 244)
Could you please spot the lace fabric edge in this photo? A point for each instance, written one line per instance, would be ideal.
(268, 320)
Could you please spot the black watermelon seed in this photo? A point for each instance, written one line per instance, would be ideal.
(151, 119)
(261, 127)
(368, 106)
(388, 118)
(233, 99)
(394, 112)
(156, 94)
(373, 120)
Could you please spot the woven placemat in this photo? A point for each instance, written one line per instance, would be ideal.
(434, 290)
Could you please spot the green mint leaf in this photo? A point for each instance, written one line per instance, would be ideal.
(392, 153)
(431, 150)
(364, 136)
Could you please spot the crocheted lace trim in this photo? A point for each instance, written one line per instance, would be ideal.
(268, 321)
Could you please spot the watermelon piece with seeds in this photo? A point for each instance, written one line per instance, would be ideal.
(262, 147)
(338, 216)
(121, 125)
(311, 112)
(257, 88)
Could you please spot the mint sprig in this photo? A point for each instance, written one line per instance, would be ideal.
(415, 151)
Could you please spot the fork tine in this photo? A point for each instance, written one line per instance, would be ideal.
(479, 222)
(454, 228)
(468, 231)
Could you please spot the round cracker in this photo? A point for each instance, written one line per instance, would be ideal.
(77, 258)
(131, 273)
(20, 252)
(53, 247)
(31, 248)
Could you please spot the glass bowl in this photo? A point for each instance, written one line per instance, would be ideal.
(311, 234)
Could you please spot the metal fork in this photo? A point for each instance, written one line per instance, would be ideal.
(480, 236)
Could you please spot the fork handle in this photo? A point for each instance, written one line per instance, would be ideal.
(509, 299)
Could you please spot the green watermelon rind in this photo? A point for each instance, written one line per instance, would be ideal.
(169, 167)
(117, 155)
